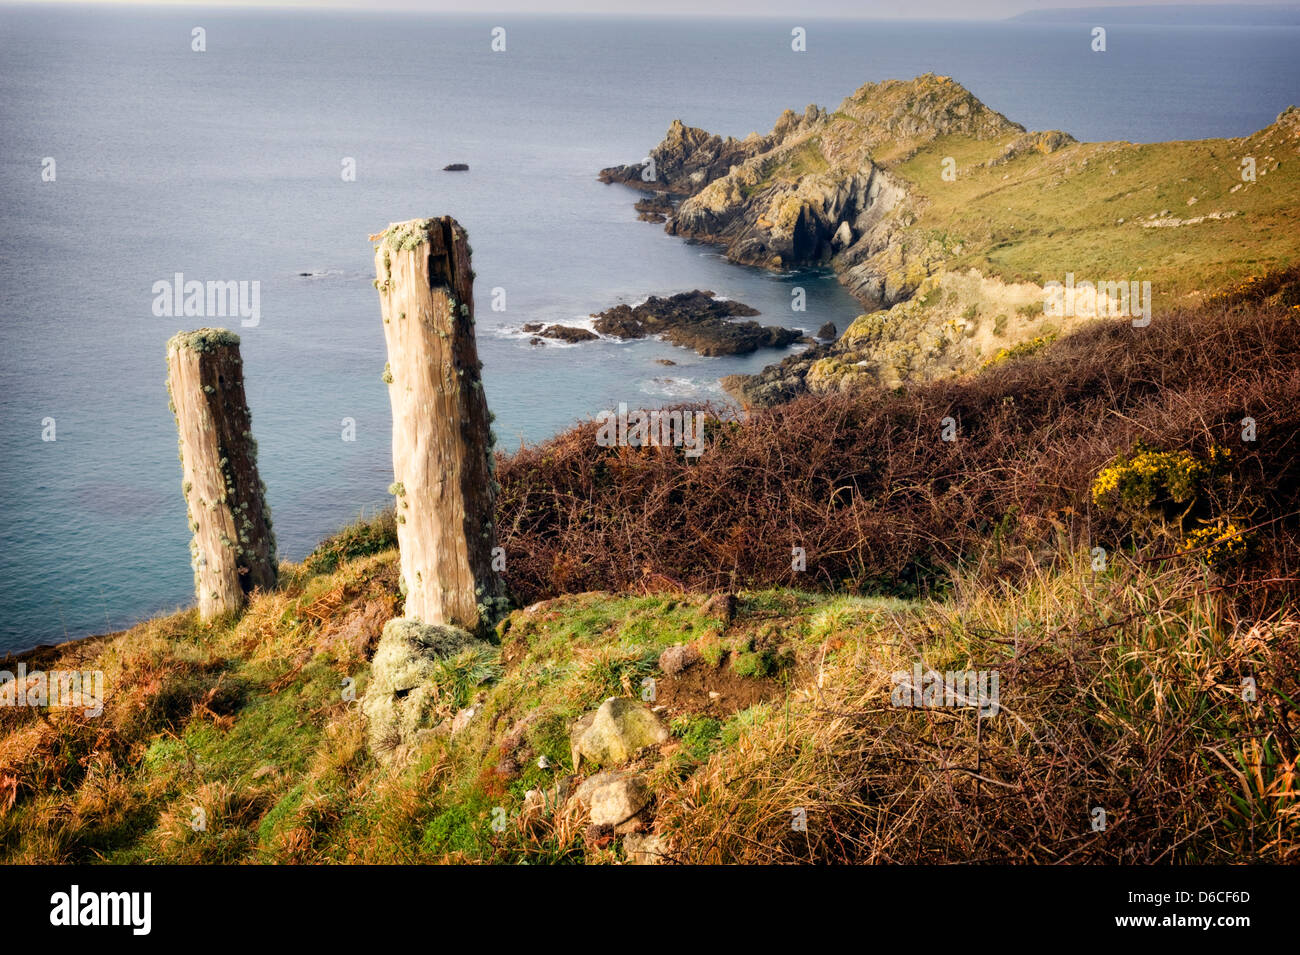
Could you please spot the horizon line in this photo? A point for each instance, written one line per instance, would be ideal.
(360, 6)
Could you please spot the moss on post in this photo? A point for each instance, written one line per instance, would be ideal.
(442, 443)
(233, 548)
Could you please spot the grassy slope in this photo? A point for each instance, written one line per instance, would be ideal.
(1119, 690)
(1038, 216)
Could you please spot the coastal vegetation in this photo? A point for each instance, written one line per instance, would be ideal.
(1104, 532)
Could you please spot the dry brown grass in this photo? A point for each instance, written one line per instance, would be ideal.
(1123, 694)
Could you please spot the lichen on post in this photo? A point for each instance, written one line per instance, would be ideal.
(443, 466)
(233, 548)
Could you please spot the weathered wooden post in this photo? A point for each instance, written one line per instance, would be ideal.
(233, 550)
(443, 468)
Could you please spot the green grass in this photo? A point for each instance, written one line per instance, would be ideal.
(1039, 216)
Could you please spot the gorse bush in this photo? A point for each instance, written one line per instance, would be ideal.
(1157, 491)
(1221, 544)
(1140, 480)
(1018, 350)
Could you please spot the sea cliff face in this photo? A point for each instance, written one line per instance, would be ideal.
(816, 191)
(948, 222)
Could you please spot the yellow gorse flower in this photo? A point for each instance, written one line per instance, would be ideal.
(1142, 479)
(1219, 543)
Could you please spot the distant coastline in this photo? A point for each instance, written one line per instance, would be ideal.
(1197, 15)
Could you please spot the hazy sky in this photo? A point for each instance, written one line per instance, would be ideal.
(885, 9)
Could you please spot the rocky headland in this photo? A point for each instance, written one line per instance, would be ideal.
(945, 220)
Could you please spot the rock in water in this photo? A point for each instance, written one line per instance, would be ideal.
(400, 697)
(655, 209)
(567, 333)
(613, 734)
(828, 332)
(694, 320)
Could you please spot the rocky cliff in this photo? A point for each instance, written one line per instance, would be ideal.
(817, 190)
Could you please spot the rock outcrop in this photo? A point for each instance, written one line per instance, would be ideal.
(695, 320)
(948, 223)
(956, 321)
(612, 798)
(817, 190)
(561, 333)
(687, 160)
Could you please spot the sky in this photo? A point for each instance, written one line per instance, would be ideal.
(879, 9)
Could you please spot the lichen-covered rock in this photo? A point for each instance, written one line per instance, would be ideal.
(687, 159)
(644, 848)
(401, 695)
(722, 606)
(614, 732)
(613, 797)
(954, 322)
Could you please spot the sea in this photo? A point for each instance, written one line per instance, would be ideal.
(128, 155)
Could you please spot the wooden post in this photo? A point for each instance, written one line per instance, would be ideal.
(443, 468)
(233, 549)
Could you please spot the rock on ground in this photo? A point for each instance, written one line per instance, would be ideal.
(614, 732)
(676, 659)
(613, 797)
(643, 848)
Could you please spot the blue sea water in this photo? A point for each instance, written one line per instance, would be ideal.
(225, 165)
